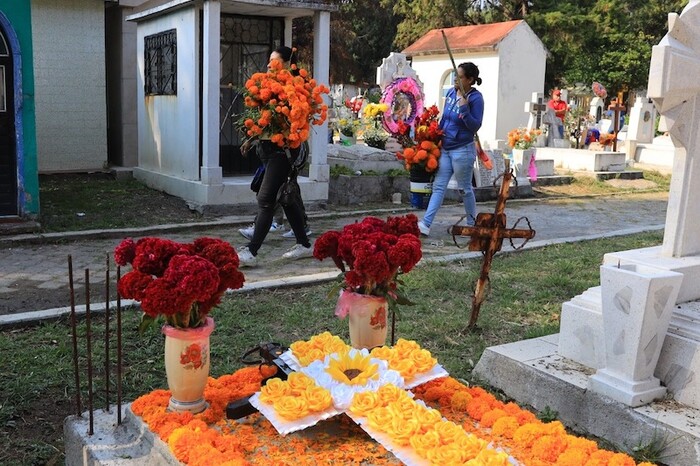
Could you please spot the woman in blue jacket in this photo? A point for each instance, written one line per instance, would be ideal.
(461, 119)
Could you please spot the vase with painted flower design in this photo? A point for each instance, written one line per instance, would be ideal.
(367, 317)
(187, 365)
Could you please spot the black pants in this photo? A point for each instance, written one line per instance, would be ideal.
(277, 169)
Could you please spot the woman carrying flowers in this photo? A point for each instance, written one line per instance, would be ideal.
(460, 121)
(281, 105)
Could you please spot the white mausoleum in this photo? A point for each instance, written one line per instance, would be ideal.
(192, 57)
(511, 60)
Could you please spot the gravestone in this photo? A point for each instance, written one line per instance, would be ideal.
(536, 108)
(642, 121)
(393, 67)
(675, 91)
(597, 108)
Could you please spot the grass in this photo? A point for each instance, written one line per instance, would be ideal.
(37, 386)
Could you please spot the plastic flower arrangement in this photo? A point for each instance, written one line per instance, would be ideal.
(181, 282)
(423, 149)
(372, 254)
(348, 126)
(282, 106)
(373, 133)
(523, 138)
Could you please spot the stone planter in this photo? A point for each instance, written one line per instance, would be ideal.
(637, 303)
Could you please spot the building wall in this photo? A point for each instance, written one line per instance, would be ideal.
(432, 70)
(18, 15)
(169, 125)
(70, 94)
(523, 59)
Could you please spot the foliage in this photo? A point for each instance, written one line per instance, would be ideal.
(548, 414)
(348, 126)
(372, 254)
(373, 134)
(181, 282)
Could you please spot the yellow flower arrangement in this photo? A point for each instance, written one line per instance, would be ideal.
(348, 126)
(523, 138)
(373, 111)
(317, 348)
(296, 397)
(406, 357)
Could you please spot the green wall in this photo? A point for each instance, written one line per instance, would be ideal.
(18, 12)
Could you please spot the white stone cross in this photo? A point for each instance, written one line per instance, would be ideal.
(675, 90)
(393, 67)
(536, 108)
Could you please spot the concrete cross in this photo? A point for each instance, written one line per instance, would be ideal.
(616, 107)
(536, 109)
(675, 90)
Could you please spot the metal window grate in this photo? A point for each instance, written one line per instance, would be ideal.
(160, 57)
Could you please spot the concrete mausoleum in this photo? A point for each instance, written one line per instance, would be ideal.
(191, 58)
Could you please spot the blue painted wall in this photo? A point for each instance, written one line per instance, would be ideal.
(16, 19)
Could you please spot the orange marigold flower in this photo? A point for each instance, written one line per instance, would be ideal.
(549, 447)
(505, 426)
(476, 408)
(599, 458)
(572, 457)
(489, 417)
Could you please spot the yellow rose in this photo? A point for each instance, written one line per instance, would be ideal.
(423, 360)
(300, 348)
(405, 367)
(422, 443)
(379, 419)
(313, 354)
(382, 352)
(427, 418)
(449, 432)
(388, 393)
(405, 347)
(321, 340)
(471, 446)
(273, 390)
(404, 408)
(298, 382)
(291, 407)
(401, 430)
(445, 454)
(489, 457)
(317, 398)
(364, 402)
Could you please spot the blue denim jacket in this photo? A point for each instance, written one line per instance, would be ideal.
(461, 122)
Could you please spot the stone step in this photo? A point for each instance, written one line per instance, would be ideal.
(553, 180)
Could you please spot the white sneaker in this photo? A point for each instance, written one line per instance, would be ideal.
(424, 230)
(275, 227)
(247, 232)
(246, 258)
(290, 234)
(299, 251)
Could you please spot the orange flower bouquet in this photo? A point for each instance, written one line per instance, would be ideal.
(523, 138)
(424, 151)
(281, 106)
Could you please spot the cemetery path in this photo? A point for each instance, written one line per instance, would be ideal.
(34, 268)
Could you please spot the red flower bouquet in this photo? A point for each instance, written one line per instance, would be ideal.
(372, 254)
(424, 151)
(181, 282)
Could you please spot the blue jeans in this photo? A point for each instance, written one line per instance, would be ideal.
(459, 162)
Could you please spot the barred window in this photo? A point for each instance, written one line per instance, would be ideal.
(160, 56)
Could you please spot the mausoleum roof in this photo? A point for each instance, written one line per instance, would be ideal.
(480, 37)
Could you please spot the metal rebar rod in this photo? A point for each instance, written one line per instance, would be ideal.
(107, 371)
(88, 335)
(74, 335)
(119, 350)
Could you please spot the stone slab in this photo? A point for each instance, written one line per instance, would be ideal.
(550, 380)
(585, 160)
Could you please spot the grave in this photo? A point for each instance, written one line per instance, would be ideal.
(599, 375)
(642, 146)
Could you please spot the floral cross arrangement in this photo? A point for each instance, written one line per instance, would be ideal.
(281, 106)
(372, 254)
(424, 151)
(181, 282)
(523, 138)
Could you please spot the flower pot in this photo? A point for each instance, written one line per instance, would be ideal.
(421, 186)
(367, 318)
(187, 366)
(521, 158)
(637, 303)
(347, 140)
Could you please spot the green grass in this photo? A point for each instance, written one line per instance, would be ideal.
(37, 387)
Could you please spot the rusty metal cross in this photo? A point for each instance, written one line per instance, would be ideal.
(487, 236)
